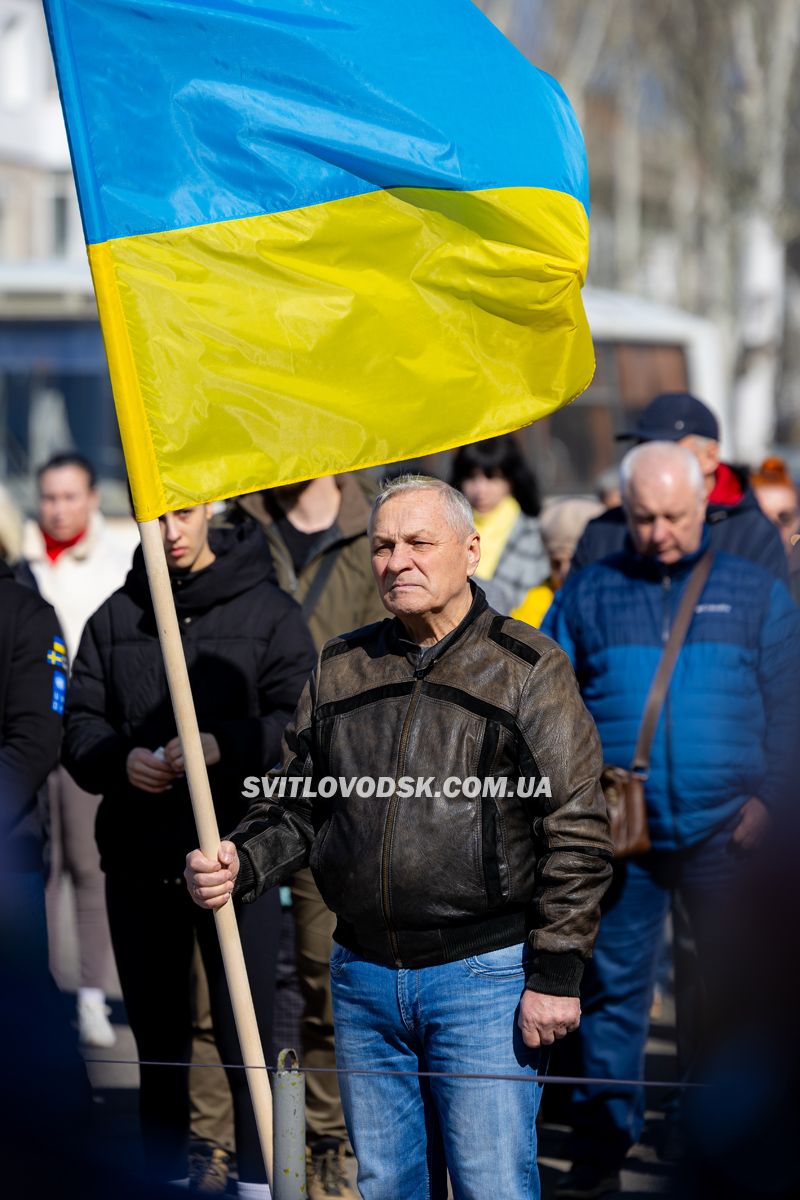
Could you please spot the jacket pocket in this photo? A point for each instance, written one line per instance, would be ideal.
(495, 866)
(318, 846)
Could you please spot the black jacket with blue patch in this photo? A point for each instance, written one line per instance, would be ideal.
(33, 683)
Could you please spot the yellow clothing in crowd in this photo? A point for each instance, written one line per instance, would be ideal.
(495, 529)
(535, 604)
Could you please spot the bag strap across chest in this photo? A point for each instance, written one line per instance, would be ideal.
(640, 764)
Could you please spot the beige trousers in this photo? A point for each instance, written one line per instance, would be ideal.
(313, 931)
(209, 1093)
(73, 852)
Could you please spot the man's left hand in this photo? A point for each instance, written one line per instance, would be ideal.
(754, 821)
(544, 1018)
(173, 752)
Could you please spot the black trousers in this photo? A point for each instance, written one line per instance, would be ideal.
(153, 927)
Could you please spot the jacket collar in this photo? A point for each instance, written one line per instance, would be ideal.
(241, 563)
(728, 489)
(35, 550)
(725, 512)
(353, 515)
(423, 660)
(351, 523)
(651, 568)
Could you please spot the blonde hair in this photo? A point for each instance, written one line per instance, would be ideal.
(10, 527)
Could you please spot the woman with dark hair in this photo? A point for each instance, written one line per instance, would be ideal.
(502, 490)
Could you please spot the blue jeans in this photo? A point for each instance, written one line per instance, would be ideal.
(407, 1131)
(618, 984)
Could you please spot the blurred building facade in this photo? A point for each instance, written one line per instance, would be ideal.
(54, 389)
(39, 216)
(691, 115)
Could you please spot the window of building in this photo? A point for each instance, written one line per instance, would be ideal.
(16, 59)
(59, 224)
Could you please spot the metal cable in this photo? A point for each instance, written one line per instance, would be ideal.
(563, 1079)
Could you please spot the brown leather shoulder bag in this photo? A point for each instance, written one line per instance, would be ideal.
(623, 787)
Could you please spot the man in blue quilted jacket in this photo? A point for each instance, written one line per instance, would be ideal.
(721, 761)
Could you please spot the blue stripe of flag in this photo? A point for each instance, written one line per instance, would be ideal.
(183, 113)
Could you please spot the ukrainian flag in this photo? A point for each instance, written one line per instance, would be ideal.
(324, 234)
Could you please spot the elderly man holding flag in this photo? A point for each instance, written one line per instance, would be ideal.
(292, 210)
(465, 913)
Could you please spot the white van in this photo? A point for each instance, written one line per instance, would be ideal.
(642, 348)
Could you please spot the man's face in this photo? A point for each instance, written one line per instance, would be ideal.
(665, 515)
(707, 454)
(419, 562)
(185, 537)
(779, 502)
(66, 502)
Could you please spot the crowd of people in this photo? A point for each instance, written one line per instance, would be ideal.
(436, 630)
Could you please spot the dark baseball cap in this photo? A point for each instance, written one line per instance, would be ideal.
(672, 416)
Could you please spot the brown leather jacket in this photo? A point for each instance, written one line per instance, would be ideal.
(420, 880)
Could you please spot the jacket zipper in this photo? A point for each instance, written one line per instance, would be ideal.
(391, 814)
(667, 586)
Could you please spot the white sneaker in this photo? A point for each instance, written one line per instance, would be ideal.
(94, 1027)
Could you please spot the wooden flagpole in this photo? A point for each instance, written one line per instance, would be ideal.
(207, 829)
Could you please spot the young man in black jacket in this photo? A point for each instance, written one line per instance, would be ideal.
(249, 653)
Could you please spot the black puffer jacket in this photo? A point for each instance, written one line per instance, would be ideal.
(33, 677)
(425, 879)
(249, 653)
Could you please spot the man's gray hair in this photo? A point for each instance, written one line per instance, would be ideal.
(456, 506)
(654, 457)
